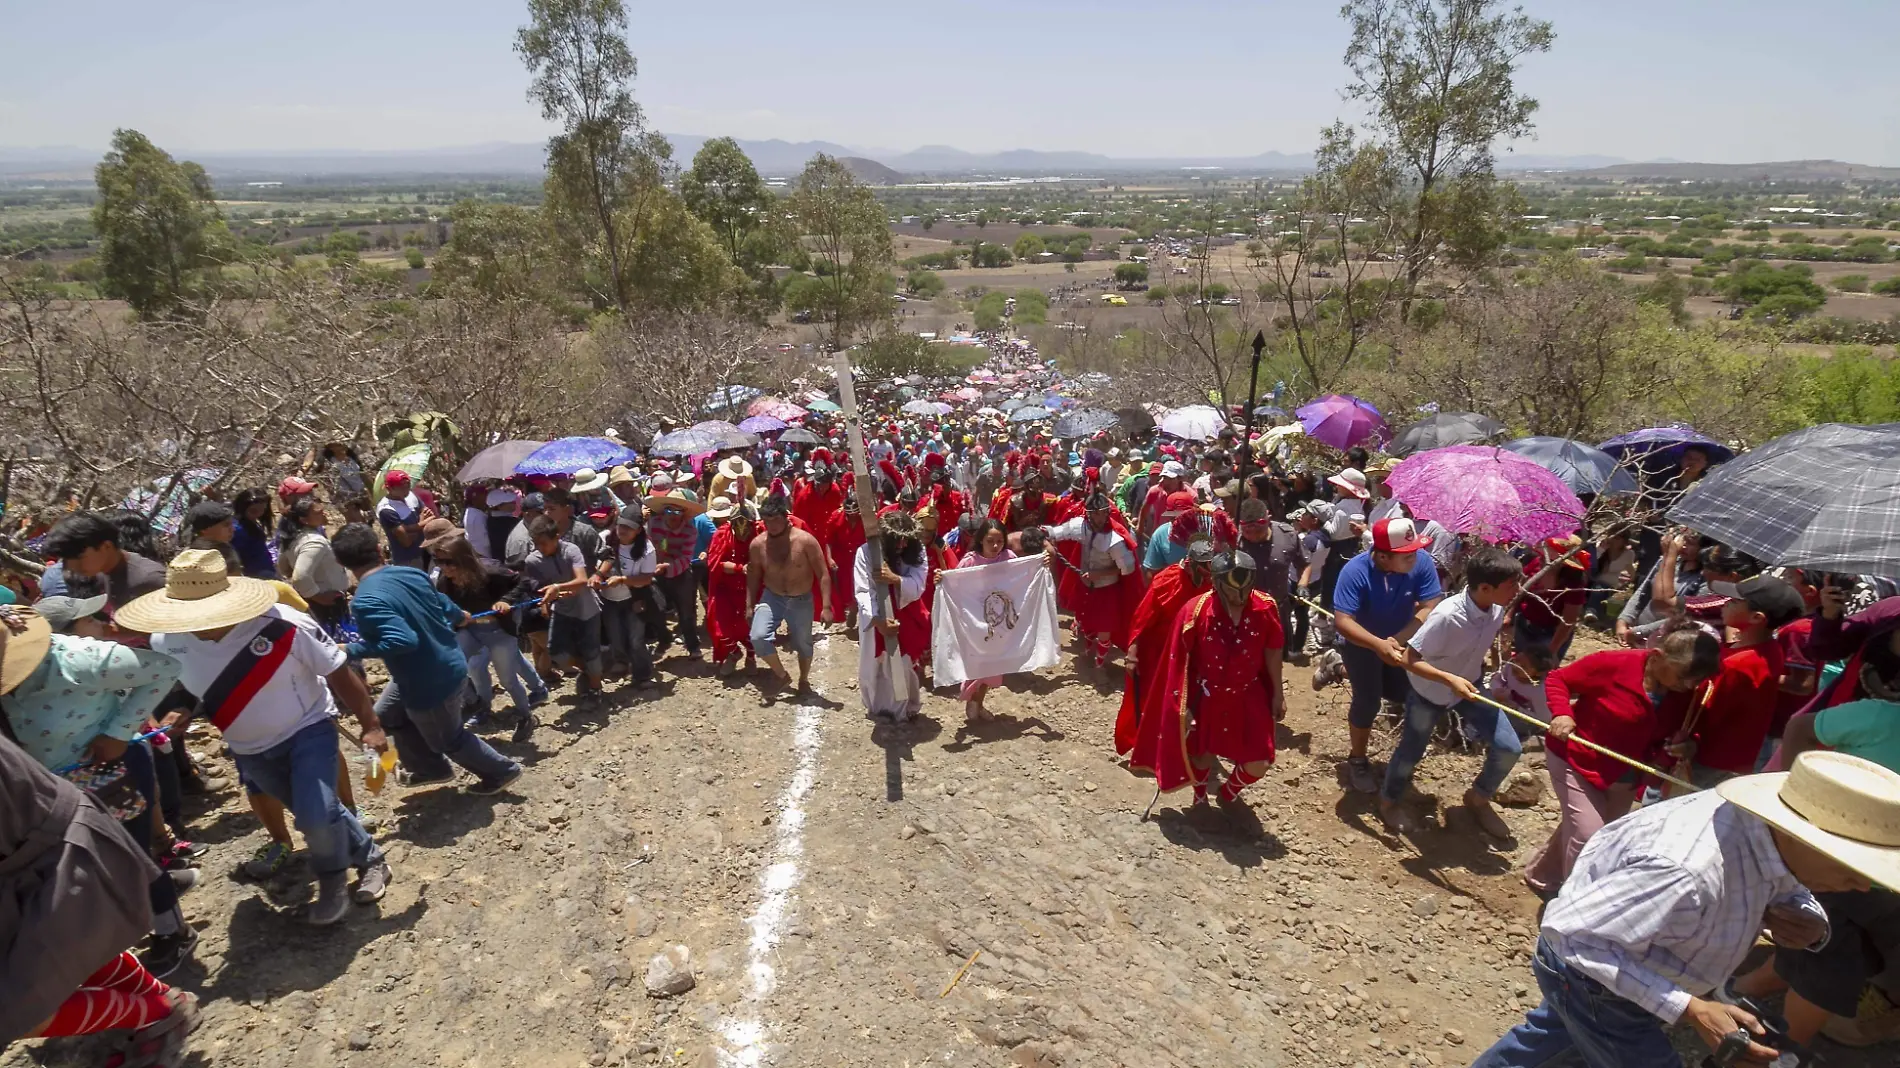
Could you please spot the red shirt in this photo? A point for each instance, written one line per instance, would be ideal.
(1739, 708)
(1545, 606)
(1605, 693)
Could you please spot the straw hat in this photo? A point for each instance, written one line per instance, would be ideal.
(199, 594)
(722, 508)
(587, 480)
(674, 498)
(620, 476)
(28, 638)
(735, 467)
(1844, 806)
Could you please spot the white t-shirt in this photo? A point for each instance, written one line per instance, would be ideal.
(294, 698)
(1337, 517)
(1384, 508)
(1454, 639)
(628, 566)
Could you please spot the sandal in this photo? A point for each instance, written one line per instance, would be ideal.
(161, 1044)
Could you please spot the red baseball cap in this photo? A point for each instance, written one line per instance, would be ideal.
(1180, 502)
(393, 479)
(292, 486)
(1397, 535)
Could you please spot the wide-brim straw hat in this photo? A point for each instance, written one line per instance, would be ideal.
(1844, 806)
(587, 480)
(437, 533)
(735, 467)
(199, 594)
(722, 508)
(674, 497)
(26, 647)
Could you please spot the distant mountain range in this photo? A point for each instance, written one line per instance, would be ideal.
(777, 158)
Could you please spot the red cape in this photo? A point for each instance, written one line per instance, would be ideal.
(843, 536)
(1110, 608)
(1216, 695)
(1149, 633)
(725, 594)
(816, 504)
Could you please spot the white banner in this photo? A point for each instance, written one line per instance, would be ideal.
(993, 620)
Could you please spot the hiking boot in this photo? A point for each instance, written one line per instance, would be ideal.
(1359, 777)
(269, 859)
(333, 899)
(485, 787)
(168, 952)
(371, 883)
(524, 727)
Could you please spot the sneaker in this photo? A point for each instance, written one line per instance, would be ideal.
(405, 777)
(371, 882)
(485, 787)
(1328, 667)
(183, 879)
(168, 952)
(480, 719)
(189, 849)
(269, 859)
(1359, 777)
(524, 727)
(333, 899)
(538, 698)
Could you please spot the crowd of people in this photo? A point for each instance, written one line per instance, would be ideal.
(1195, 569)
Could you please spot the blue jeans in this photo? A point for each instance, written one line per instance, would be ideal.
(140, 767)
(485, 642)
(440, 729)
(794, 612)
(1482, 724)
(1579, 1019)
(626, 636)
(1372, 681)
(300, 771)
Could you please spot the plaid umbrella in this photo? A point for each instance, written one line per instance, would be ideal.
(1827, 497)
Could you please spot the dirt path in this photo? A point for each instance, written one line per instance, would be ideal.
(830, 877)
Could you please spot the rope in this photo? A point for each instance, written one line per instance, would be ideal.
(1541, 725)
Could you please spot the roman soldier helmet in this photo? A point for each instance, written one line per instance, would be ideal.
(1233, 567)
(908, 497)
(937, 468)
(1096, 499)
(891, 472)
(849, 485)
(777, 504)
(821, 468)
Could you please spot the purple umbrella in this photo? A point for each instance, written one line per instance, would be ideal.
(1342, 421)
(761, 424)
(1665, 442)
(564, 456)
(1482, 490)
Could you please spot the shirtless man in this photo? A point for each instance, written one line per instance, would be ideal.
(788, 562)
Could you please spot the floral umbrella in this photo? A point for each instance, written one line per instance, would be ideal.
(1483, 490)
(774, 408)
(761, 424)
(689, 442)
(177, 490)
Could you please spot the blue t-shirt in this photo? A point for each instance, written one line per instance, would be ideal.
(411, 626)
(1380, 601)
(703, 530)
(1162, 551)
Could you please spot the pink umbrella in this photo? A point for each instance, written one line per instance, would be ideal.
(1483, 490)
(774, 408)
(969, 394)
(1342, 421)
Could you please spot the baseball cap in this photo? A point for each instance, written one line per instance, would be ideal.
(1173, 469)
(1179, 502)
(1771, 596)
(534, 502)
(392, 479)
(1397, 535)
(61, 613)
(1555, 548)
(292, 486)
(207, 514)
(1352, 481)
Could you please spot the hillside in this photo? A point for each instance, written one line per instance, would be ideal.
(1799, 170)
(870, 171)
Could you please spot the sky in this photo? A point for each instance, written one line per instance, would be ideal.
(1729, 81)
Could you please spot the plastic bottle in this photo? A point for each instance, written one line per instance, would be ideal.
(376, 768)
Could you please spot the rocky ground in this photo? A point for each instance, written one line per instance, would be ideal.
(817, 890)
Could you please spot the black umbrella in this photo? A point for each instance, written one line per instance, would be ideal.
(1827, 497)
(1445, 428)
(1134, 420)
(685, 442)
(798, 435)
(1084, 423)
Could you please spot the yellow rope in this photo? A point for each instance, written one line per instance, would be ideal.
(1540, 724)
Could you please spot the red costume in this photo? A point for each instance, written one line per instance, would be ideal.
(951, 505)
(815, 503)
(725, 594)
(1149, 632)
(844, 536)
(1217, 695)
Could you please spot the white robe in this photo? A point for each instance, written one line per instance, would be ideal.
(888, 683)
